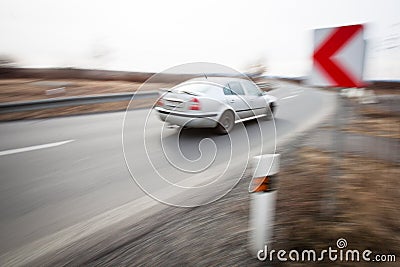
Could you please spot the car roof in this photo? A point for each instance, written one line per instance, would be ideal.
(218, 80)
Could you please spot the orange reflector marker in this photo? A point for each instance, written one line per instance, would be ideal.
(263, 184)
(260, 184)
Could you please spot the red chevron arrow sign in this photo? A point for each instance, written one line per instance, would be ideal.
(338, 58)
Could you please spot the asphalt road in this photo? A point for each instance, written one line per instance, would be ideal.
(58, 173)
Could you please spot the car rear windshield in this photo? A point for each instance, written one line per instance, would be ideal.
(194, 88)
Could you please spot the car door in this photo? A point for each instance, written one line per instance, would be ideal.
(255, 99)
(234, 97)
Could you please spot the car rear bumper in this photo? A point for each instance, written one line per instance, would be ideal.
(195, 120)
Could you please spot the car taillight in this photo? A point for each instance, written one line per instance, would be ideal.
(194, 104)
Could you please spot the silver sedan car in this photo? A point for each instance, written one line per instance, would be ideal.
(214, 102)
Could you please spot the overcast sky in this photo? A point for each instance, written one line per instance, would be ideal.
(156, 35)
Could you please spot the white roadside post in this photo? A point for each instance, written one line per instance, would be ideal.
(263, 196)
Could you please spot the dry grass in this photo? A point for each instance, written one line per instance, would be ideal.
(32, 89)
(366, 204)
(29, 89)
(76, 110)
(368, 195)
(383, 127)
(375, 121)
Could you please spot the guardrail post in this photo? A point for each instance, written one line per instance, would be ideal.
(263, 196)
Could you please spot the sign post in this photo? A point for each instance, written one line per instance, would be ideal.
(338, 62)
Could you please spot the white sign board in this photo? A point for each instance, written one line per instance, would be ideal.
(338, 58)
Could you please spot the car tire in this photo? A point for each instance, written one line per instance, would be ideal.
(225, 123)
(272, 107)
(270, 111)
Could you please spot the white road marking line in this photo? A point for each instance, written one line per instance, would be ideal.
(30, 148)
(291, 96)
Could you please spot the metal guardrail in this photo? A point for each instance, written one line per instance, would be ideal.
(72, 101)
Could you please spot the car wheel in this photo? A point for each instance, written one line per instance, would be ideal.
(270, 111)
(272, 107)
(226, 122)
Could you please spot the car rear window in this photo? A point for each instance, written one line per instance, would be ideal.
(194, 88)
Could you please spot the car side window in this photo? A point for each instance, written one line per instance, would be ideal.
(227, 91)
(236, 88)
(252, 89)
